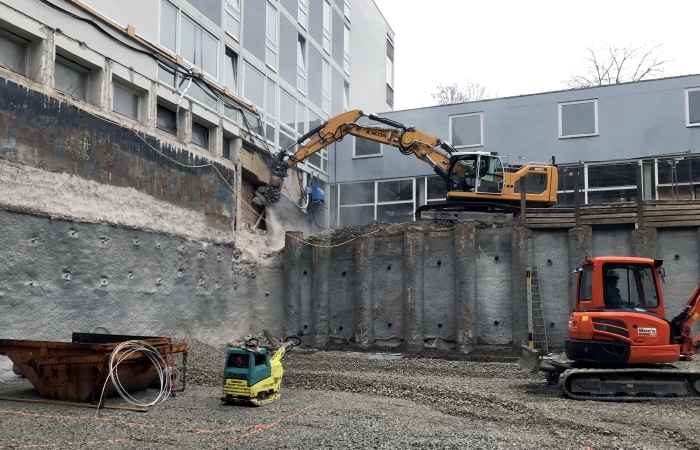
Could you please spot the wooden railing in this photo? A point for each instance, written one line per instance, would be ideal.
(666, 213)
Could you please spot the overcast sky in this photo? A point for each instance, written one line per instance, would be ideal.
(515, 47)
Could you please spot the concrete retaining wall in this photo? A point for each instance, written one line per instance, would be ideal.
(460, 287)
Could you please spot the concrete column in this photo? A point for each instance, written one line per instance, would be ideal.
(292, 283)
(413, 289)
(643, 242)
(580, 248)
(521, 248)
(48, 59)
(364, 291)
(320, 300)
(465, 285)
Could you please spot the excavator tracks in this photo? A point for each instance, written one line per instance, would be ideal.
(629, 385)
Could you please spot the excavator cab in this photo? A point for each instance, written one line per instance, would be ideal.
(475, 172)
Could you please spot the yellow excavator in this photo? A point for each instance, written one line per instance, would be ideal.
(474, 181)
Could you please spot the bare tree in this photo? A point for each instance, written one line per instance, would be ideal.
(447, 94)
(613, 64)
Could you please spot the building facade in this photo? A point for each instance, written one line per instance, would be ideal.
(229, 82)
(606, 132)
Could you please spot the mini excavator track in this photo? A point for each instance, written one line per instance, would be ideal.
(630, 384)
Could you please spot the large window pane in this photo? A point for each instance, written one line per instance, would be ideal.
(168, 26)
(200, 135)
(355, 215)
(392, 191)
(231, 63)
(465, 131)
(694, 107)
(288, 109)
(254, 85)
(357, 193)
(166, 120)
(396, 213)
(125, 101)
(365, 147)
(13, 54)
(71, 79)
(578, 118)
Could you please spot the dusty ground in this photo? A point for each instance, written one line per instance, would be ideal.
(351, 400)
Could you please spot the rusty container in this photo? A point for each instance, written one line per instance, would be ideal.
(76, 371)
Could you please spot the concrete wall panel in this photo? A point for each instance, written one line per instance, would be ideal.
(342, 294)
(439, 304)
(493, 285)
(388, 291)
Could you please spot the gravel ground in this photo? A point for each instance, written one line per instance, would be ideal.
(341, 400)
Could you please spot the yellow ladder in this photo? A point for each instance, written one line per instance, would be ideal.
(537, 335)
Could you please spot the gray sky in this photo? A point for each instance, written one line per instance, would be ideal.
(515, 47)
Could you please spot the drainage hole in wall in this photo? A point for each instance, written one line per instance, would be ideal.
(340, 328)
(388, 267)
(495, 322)
(304, 273)
(439, 263)
(496, 258)
(388, 324)
(439, 325)
(306, 326)
(549, 262)
(343, 274)
(551, 325)
(267, 294)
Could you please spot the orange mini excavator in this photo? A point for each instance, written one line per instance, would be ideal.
(620, 345)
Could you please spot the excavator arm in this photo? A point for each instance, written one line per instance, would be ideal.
(682, 322)
(408, 140)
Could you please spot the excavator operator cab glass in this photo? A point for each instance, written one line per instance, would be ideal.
(476, 172)
(629, 286)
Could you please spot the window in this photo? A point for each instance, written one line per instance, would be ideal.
(166, 119)
(233, 18)
(327, 27)
(389, 73)
(346, 9)
(199, 47)
(125, 101)
(166, 74)
(200, 135)
(13, 53)
(318, 160)
(301, 118)
(288, 120)
(168, 26)
(226, 147)
(254, 89)
(387, 201)
(303, 13)
(346, 50)
(231, 70)
(578, 118)
(301, 64)
(271, 37)
(465, 130)
(271, 110)
(365, 147)
(326, 86)
(189, 39)
(346, 96)
(71, 78)
(693, 107)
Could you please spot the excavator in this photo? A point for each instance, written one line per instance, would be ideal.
(474, 181)
(620, 345)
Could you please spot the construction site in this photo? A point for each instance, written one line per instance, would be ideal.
(195, 264)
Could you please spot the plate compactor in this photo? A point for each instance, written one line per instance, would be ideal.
(253, 374)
